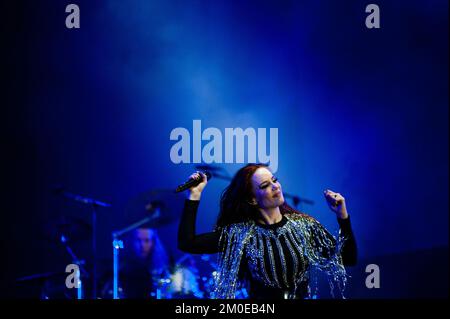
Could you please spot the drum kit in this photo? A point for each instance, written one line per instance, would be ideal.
(188, 277)
(184, 278)
(181, 281)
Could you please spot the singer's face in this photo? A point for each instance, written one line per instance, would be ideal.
(266, 189)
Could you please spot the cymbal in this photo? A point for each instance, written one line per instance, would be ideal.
(72, 228)
(145, 204)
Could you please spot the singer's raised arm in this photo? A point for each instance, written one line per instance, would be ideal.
(188, 240)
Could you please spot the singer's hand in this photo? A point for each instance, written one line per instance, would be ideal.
(196, 191)
(336, 202)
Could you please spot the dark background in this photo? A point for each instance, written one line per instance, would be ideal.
(363, 112)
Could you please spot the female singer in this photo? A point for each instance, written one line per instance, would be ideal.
(265, 243)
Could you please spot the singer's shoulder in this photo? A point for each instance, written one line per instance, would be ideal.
(300, 217)
(240, 227)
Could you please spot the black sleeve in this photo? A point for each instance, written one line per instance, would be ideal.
(188, 241)
(349, 249)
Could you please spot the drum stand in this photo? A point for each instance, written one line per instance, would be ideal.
(117, 244)
(76, 261)
(94, 204)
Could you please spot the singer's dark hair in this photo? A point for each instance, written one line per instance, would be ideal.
(234, 200)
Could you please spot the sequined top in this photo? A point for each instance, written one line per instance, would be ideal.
(275, 259)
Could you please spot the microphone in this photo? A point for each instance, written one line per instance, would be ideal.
(191, 182)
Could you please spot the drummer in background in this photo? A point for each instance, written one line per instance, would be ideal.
(144, 259)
